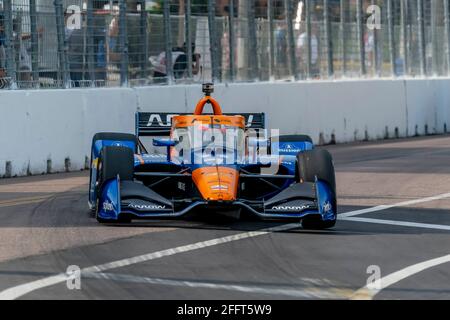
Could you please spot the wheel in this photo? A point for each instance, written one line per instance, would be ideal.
(317, 162)
(112, 136)
(114, 161)
(295, 138)
(312, 164)
(315, 223)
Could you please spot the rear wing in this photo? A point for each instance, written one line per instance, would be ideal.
(159, 123)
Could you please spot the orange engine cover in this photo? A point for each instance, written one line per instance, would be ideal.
(216, 183)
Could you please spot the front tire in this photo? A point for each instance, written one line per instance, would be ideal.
(114, 161)
(312, 164)
(94, 177)
(316, 223)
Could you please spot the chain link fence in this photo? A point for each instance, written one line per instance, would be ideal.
(106, 43)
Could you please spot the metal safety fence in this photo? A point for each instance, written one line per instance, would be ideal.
(108, 43)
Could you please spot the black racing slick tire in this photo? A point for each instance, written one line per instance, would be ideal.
(295, 138)
(114, 136)
(312, 164)
(316, 163)
(115, 161)
(315, 223)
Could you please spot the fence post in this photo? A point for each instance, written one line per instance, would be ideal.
(213, 39)
(90, 41)
(34, 43)
(421, 36)
(391, 40)
(123, 39)
(447, 33)
(329, 45)
(434, 39)
(143, 31)
(342, 27)
(308, 39)
(376, 51)
(188, 36)
(62, 44)
(291, 41)
(270, 17)
(231, 39)
(360, 31)
(252, 57)
(11, 71)
(168, 41)
(404, 18)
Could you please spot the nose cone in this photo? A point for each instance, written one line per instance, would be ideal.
(216, 183)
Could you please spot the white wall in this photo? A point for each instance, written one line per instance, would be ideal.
(41, 125)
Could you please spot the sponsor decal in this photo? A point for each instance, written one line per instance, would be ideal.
(149, 207)
(165, 119)
(157, 118)
(290, 208)
(290, 148)
(327, 207)
(108, 206)
(95, 163)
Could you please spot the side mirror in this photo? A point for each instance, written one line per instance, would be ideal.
(164, 142)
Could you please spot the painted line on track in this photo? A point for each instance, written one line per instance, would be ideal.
(369, 292)
(320, 289)
(390, 206)
(398, 223)
(21, 290)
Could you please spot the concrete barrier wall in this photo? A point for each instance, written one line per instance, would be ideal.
(50, 130)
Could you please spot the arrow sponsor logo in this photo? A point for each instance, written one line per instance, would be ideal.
(148, 207)
(291, 208)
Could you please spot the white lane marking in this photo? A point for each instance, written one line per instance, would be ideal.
(20, 290)
(399, 223)
(307, 292)
(369, 292)
(389, 206)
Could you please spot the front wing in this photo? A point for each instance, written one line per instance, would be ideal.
(138, 201)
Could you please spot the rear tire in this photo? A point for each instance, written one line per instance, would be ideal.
(295, 138)
(312, 164)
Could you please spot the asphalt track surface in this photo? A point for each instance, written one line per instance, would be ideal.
(387, 221)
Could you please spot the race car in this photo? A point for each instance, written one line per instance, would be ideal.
(213, 163)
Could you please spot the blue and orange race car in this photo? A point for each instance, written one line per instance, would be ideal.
(210, 163)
